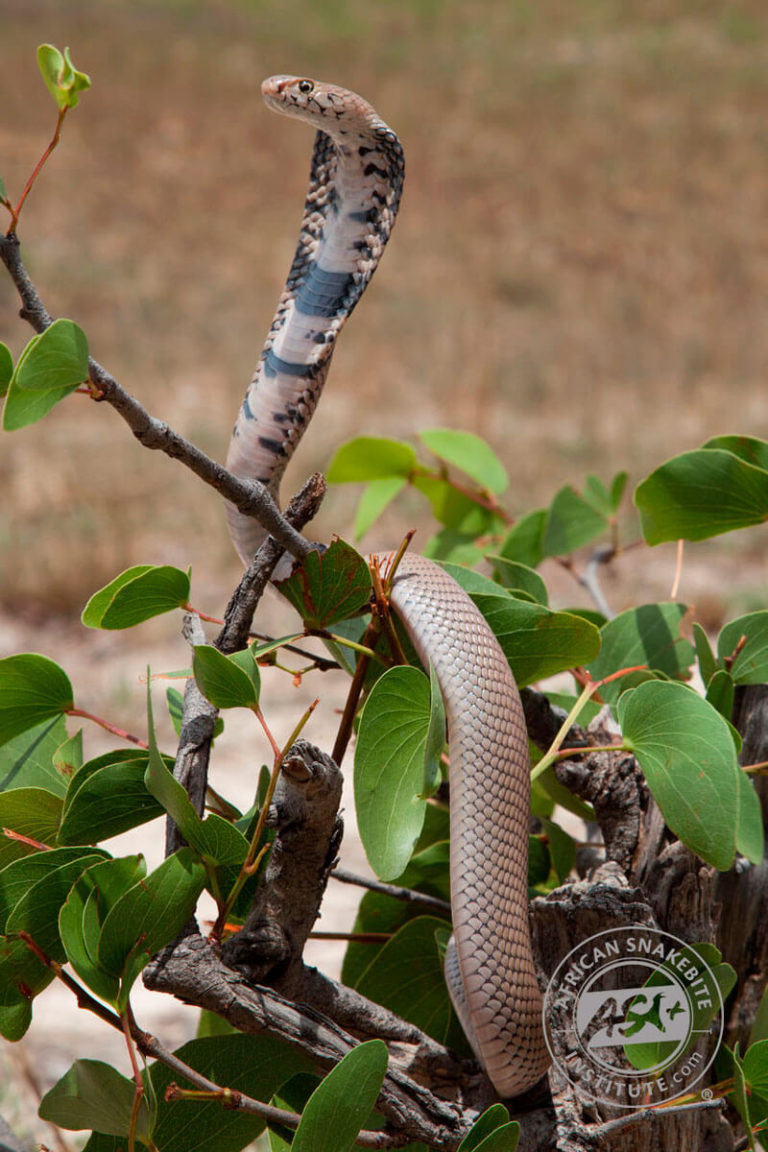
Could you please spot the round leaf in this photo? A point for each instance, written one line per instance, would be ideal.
(328, 586)
(148, 915)
(468, 453)
(406, 976)
(375, 498)
(136, 595)
(391, 768)
(371, 458)
(701, 494)
(221, 680)
(94, 1095)
(750, 665)
(27, 761)
(50, 367)
(685, 749)
(573, 519)
(651, 635)
(32, 689)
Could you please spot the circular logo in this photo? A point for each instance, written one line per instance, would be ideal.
(633, 1016)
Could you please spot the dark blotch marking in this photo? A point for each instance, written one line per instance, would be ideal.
(323, 293)
(371, 168)
(273, 364)
(275, 446)
(367, 216)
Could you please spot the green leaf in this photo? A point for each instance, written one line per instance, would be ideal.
(504, 1139)
(340, 1105)
(377, 495)
(391, 768)
(221, 679)
(328, 586)
(32, 689)
(108, 796)
(574, 519)
(539, 863)
(32, 812)
(535, 641)
(428, 871)
(22, 977)
(493, 1118)
(756, 1067)
(453, 546)
(6, 360)
(254, 1065)
(516, 578)
(27, 760)
(562, 848)
(741, 1099)
(525, 540)
(406, 976)
(37, 911)
(94, 1095)
(68, 757)
(83, 913)
(22, 874)
(704, 653)
(137, 595)
(651, 635)
(454, 509)
(15, 1019)
(51, 366)
(371, 458)
(62, 80)
(685, 749)
(747, 448)
(720, 691)
(469, 454)
(750, 666)
(749, 833)
(216, 840)
(151, 913)
(701, 494)
(687, 962)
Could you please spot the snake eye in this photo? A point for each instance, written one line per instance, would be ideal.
(305, 86)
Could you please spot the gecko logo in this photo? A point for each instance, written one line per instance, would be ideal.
(633, 1016)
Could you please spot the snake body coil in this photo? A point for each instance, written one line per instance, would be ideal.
(354, 191)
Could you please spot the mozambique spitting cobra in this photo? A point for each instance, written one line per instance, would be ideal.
(356, 179)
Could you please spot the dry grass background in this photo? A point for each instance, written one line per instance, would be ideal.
(578, 274)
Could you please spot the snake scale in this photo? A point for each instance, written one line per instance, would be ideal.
(354, 191)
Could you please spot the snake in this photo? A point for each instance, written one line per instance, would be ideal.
(355, 185)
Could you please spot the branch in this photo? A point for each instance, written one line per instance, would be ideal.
(269, 947)
(302, 508)
(248, 496)
(192, 971)
(441, 907)
(644, 1115)
(198, 717)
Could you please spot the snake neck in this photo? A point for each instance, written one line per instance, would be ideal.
(355, 184)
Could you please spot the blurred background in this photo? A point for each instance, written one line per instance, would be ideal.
(579, 273)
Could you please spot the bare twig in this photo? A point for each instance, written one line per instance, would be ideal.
(646, 1114)
(249, 497)
(442, 907)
